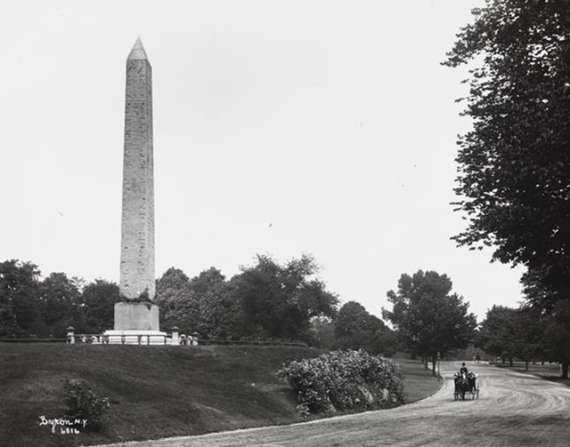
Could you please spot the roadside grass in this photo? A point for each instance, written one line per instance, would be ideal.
(548, 371)
(418, 381)
(156, 391)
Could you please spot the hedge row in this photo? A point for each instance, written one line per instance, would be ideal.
(213, 341)
(32, 340)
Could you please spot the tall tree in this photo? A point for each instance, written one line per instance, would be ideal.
(176, 300)
(96, 310)
(529, 327)
(427, 317)
(203, 304)
(19, 299)
(356, 328)
(219, 311)
(280, 301)
(514, 166)
(497, 333)
(557, 335)
(353, 326)
(58, 297)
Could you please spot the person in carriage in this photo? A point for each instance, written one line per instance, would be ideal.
(465, 381)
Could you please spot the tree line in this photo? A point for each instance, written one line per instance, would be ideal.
(527, 335)
(264, 301)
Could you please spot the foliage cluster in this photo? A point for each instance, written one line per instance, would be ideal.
(31, 306)
(356, 328)
(82, 403)
(428, 318)
(511, 333)
(264, 301)
(527, 335)
(343, 380)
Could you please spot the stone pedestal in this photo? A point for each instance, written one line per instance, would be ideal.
(136, 317)
(136, 324)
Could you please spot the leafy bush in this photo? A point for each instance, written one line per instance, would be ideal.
(83, 403)
(343, 380)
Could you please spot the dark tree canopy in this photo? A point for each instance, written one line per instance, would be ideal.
(514, 165)
(98, 306)
(265, 300)
(280, 300)
(19, 298)
(176, 301)
(512, 333)
(427, 317)
(496, 334)
(59, 296)
(557, 334)
(356, 328)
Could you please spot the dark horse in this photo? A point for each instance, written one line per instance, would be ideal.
(464, 383)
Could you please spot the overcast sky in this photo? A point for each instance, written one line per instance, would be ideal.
(280, 128)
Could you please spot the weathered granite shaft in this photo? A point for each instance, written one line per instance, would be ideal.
(137, 224)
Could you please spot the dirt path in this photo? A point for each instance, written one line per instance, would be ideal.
(513, 409)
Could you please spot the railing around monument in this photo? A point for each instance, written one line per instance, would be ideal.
(131, 339)
(173, 339)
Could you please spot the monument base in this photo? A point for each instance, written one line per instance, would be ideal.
(135, 337)
(136, 317)
(136, 324)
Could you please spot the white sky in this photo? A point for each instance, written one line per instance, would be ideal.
(282, 128)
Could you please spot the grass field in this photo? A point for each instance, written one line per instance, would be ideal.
(418, 382)
(156, 392)
(548, 371)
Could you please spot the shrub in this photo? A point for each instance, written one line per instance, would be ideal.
(343, 380)
(83, 403)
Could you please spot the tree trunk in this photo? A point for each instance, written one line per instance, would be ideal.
(564, 370)
(526, 365)
(433, 365)
(426, 363)
(511, 362)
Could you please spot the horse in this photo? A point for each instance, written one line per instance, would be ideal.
(464, 383)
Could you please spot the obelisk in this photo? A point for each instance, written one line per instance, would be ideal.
(136, 313)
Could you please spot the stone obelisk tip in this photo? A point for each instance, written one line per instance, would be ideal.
(138, 51)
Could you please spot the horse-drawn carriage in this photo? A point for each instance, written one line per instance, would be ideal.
(466, 384)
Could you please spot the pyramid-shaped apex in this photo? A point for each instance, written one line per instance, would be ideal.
(138, 51)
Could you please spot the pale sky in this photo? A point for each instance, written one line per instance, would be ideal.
(280, 128)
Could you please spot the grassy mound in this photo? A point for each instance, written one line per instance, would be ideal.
(155, 391)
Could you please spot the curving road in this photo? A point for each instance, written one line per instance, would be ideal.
(513, 409)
